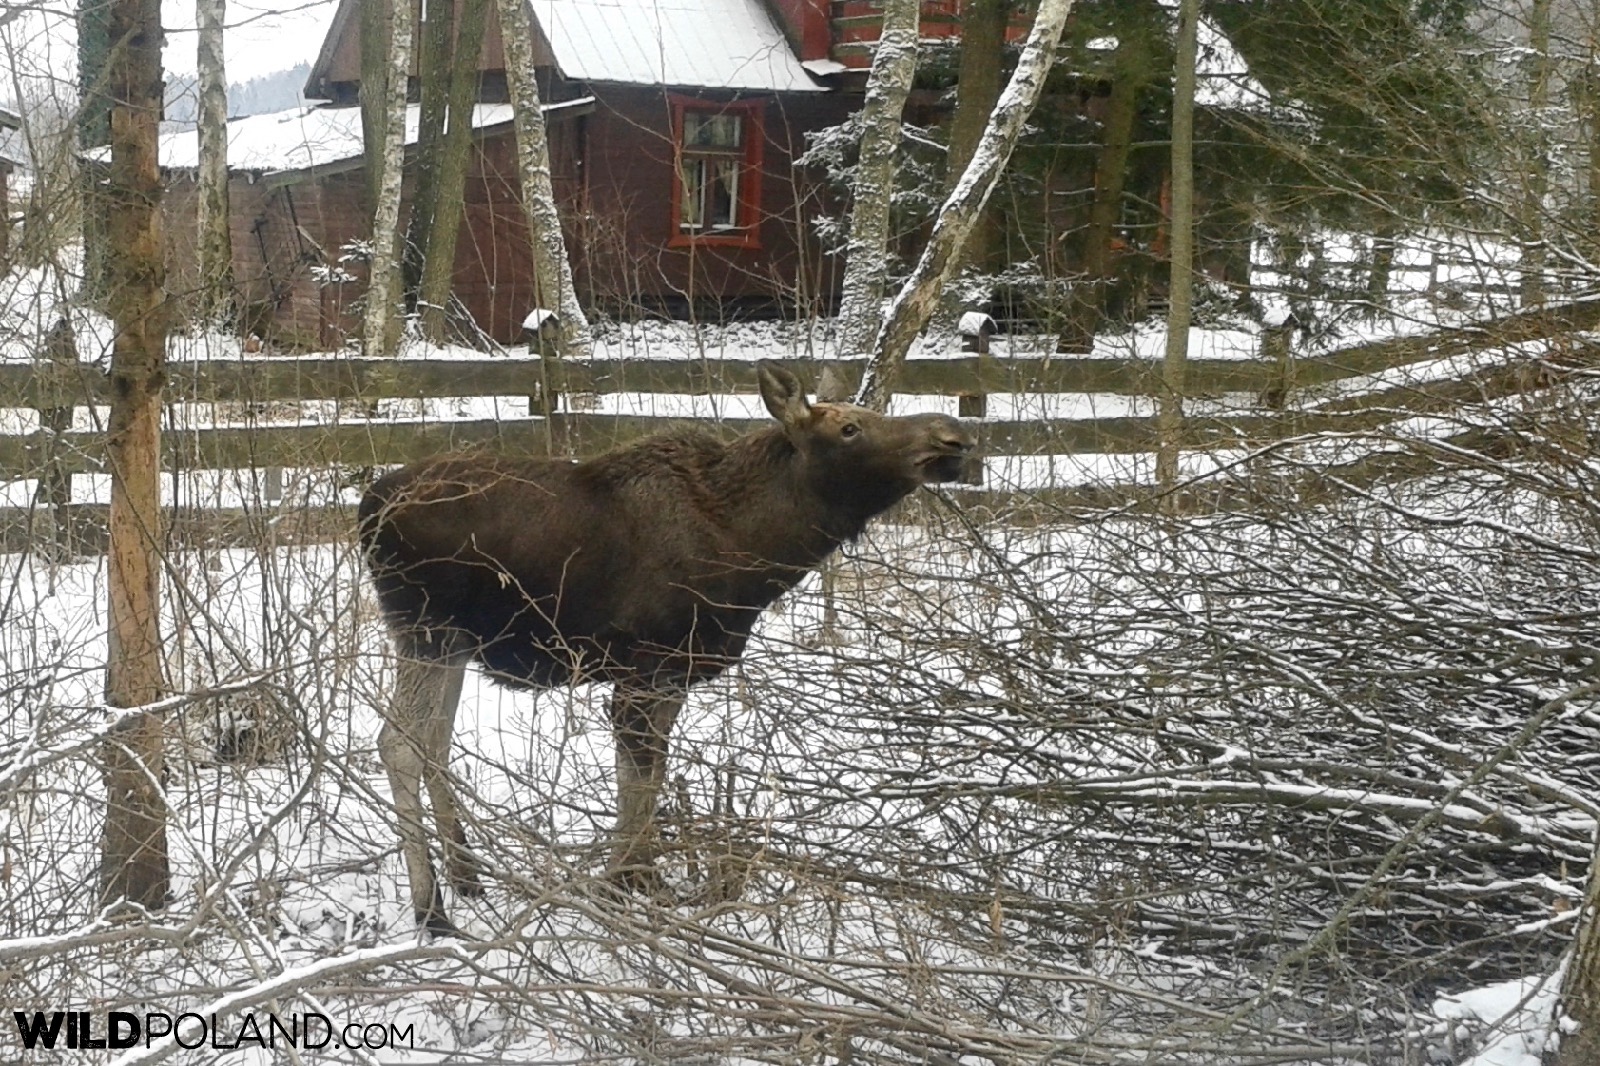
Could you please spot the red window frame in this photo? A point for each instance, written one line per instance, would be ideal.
(746, 230)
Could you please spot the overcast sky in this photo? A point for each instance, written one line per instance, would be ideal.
(262, 36)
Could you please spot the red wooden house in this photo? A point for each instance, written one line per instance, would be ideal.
(673, 129)
(674, 126)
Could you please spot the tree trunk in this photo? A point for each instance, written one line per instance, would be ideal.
(439, 248)
(215, 242)
(94, 129)
(551, 269)
(380, 332)
(1535, 171)
(1585, 87)
(134, 851)
(1589, 90)
(435, 45)
(1181, 290)
(1129, 71)
(980, 77)
(866, 265)
(375, 24)
(1384, 246)
(919, 296)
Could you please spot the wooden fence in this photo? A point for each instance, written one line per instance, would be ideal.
(240, 432)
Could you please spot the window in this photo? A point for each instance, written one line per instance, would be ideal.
(718, 183)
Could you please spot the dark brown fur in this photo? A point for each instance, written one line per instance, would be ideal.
(647, 566)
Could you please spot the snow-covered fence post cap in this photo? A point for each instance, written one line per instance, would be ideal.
(1278, 326)
(975, 328)
(542, 329)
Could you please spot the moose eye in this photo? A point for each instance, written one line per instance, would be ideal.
(849, 429)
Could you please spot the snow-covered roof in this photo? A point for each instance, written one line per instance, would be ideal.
(13, 150)
(712, 44)
(303, 138)
(1222, 77)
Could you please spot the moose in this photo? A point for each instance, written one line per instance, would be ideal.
(646, 567)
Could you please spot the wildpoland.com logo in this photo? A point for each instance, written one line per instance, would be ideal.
(81, 1030)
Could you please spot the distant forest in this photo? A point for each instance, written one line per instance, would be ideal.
(278, 91)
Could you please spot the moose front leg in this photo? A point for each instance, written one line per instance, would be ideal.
(642, 722)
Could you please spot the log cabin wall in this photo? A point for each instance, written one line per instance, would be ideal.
(271, 252)
(629, 254)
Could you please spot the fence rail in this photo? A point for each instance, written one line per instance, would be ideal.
(244, 431)
(265, 379)
(268, 379)
(384, 444)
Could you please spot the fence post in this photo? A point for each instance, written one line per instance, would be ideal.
(543, 332)
(272, 485)
(1276, 353)
(55, 480)
(272, 476)
(976, 328)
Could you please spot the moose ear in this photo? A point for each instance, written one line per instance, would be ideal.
(783, 394)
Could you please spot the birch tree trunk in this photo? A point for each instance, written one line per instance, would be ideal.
(551, 268)
(133, 854)
(917, 299)
(439, 241)
(1535, 170)
(866, 270)
(379, 332)
(215, 258)
(1580, 991)
(375, 23)
(1169, 417)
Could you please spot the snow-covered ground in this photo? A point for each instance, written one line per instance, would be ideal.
(1252, 785)
(963, 810)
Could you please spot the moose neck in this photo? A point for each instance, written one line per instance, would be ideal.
(783, 515)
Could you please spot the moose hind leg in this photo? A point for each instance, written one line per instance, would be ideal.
(462, 869)
(642, 722)
(403, 746)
